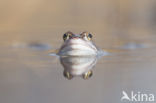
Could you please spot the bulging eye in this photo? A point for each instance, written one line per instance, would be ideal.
(65, 36)
(90, 36)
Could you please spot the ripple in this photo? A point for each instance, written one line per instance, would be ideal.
(32, 45)
(39, 46)
(133, 46)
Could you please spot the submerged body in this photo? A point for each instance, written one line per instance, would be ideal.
(78, 45)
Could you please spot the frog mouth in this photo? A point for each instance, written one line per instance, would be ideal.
(78, 44)
(78, 47)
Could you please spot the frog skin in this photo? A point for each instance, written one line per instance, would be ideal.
(78, 45)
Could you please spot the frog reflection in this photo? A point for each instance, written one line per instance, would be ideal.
(78, 54)
(78, 66)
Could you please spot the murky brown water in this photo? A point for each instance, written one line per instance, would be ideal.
(29, 75)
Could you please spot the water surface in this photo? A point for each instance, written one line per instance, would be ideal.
(30, 30)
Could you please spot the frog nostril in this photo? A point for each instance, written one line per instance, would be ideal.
(75, 37)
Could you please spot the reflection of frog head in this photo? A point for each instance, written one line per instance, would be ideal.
(77, 45)
(78, 66)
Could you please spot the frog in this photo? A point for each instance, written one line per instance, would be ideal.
(78, 45)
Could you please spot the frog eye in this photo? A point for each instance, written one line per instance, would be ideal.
(65, 37)
(89, 36)
(67, 75)
(87, 75)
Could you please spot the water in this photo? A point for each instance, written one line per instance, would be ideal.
(32, 30)
(30, 75)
